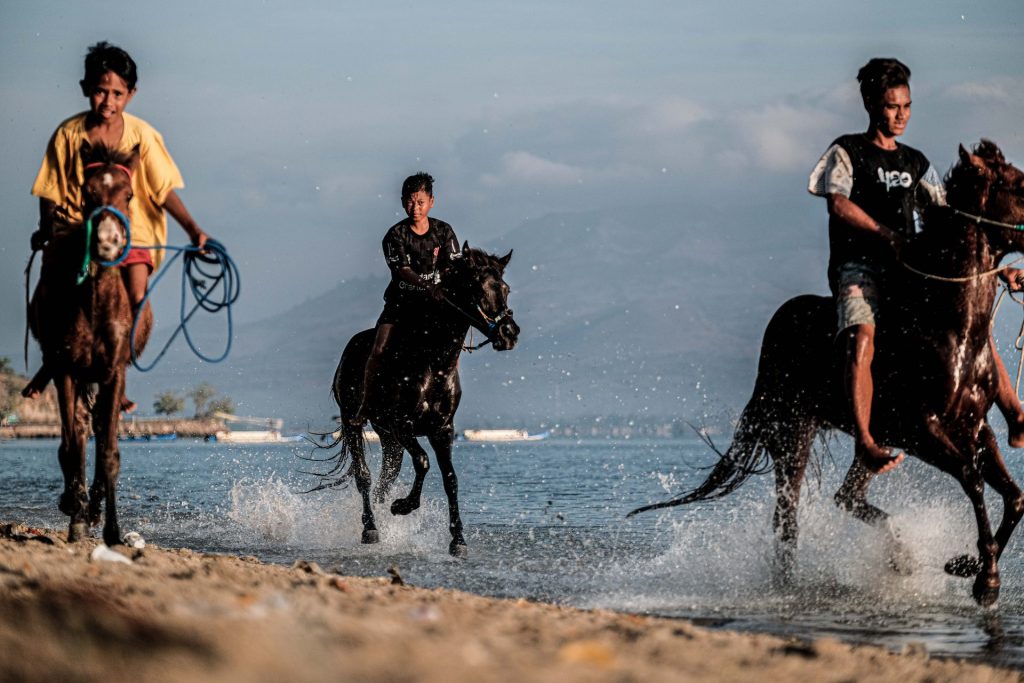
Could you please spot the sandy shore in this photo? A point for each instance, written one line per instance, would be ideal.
(179, 615)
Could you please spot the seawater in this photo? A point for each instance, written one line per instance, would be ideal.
(546, 520)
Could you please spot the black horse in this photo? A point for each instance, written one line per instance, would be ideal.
(417, 390)
(935, 374)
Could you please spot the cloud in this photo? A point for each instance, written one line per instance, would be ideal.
(783, 137)
(990, 91)
(525, 168)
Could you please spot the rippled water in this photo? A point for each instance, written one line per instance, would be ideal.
(546, 520)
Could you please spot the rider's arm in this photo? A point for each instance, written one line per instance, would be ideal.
(174, 206)
(47, 211)
(846, 210)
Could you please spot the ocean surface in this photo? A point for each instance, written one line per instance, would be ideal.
(546, 520)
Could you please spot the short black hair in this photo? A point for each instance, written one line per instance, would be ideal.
(417, 182)
(877, 76)
(103, 57)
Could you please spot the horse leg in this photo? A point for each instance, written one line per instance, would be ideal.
(74, 500)
(390, 467)
(993, 469)
(790, 451)
(852, 497)
(354, 442)
(421, 463)
(441, 442)
(106, 417)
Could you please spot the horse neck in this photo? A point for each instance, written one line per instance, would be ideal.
(444, 342)
(957, 249)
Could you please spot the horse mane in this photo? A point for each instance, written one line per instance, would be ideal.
(478, 259)
(101, 154)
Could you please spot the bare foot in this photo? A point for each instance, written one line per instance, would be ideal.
(877, 458)
(127, 405)
(1016, 429)
(30, 392)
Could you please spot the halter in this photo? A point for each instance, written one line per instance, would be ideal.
(83, 273)
(101, 164)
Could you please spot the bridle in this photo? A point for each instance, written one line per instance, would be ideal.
(83, 272)
(485, 323)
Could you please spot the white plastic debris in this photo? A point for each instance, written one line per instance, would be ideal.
(133, 539)
(102, 553)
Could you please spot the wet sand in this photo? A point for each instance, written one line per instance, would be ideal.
(179, 615)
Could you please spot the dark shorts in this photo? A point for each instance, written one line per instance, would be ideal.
(407, 311)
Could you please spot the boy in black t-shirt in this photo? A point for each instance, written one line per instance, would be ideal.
(873, 184)
(416, 250)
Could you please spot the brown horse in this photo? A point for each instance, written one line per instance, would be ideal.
(81, 315)
(935, 374)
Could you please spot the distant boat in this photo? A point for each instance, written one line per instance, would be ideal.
(252, 436)
(501, 435)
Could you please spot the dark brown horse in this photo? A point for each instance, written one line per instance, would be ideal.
(81, 315)
(935, 375)
(417, 390)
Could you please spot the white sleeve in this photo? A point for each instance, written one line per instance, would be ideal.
(833, 174)
(932, 186)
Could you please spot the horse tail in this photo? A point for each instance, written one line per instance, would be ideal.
(789, 394)
(341, 466)
(747, 455)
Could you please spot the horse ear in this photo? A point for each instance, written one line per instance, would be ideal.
(465, 248)
(505, 259)
(85, 152)
(974, 161)
(133, 160)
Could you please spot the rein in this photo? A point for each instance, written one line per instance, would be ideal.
(977, 220)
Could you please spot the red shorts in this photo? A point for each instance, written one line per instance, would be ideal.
(136, 255)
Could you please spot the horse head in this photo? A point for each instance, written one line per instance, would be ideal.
(475, 286)
(984, 187)
(106, 194)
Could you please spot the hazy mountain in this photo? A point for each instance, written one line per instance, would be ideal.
(649, 312)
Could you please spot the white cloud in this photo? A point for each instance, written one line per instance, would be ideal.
(990, 91)
(522, 167)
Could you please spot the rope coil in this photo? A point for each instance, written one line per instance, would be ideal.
(212, 278)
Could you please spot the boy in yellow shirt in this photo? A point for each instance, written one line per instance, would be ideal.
(109, 84)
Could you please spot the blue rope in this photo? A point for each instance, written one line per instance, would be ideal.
(210, 264)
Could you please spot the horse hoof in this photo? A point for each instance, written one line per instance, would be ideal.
(458, 549)
(77, 531)
(964, 566)
(986, 590)
(371, 536)
(402, 506)
(112, 537)
(66, 503)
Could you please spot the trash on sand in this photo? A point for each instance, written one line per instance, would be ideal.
(102, 553)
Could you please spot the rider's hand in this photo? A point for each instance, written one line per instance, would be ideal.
(895, 239)
(1014, 278)
(199, 238)
(435, 291)
(39, 239)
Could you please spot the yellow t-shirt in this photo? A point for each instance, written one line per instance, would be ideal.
(61, 177)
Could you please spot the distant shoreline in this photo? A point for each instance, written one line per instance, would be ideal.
(130, 427)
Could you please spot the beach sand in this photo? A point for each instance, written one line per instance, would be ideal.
(180, 615)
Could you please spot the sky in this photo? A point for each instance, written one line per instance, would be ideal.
(295, 122)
